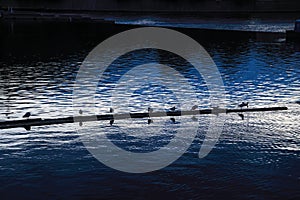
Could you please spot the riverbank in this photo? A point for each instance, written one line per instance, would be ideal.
(196, 6)
(40, 15)
(60, 14)
(221, 28)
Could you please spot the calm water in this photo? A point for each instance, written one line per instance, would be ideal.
(246, 24)
(254, 158)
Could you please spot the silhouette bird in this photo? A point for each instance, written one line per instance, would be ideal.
(80, 123)
(80, 111)
(150, 121)
(27, 115)
(150, 110)
(194, 107)
(243, 104)
(111, 122)
(173, 119)
(173, 108)
(242, 116)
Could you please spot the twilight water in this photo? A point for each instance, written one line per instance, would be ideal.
(258, 157)
(252, 24)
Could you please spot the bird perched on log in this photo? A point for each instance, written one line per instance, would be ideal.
(150, 110)
(173, 109)
(194, 107)
(111, 122)
(243, 104)
(27, 115)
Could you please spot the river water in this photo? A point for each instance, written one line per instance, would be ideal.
(254, 158)
(225, 24)
(261, 22)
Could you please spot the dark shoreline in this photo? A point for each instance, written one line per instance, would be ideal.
(209, 14)
(49, 26)
(51, 34)
(95, 17)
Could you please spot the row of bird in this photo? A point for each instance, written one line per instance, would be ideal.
(172, 109)
(150, 110)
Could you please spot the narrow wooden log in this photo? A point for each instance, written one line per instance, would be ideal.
(43, 122)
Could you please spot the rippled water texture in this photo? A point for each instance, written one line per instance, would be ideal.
(254, 24)
(255, 158)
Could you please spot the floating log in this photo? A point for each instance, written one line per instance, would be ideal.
(28, 123)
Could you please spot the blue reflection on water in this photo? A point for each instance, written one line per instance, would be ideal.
(260, 25)
(155, 92)
(255, 158)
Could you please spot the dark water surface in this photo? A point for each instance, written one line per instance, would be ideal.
(255, 158)
(248, 24)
